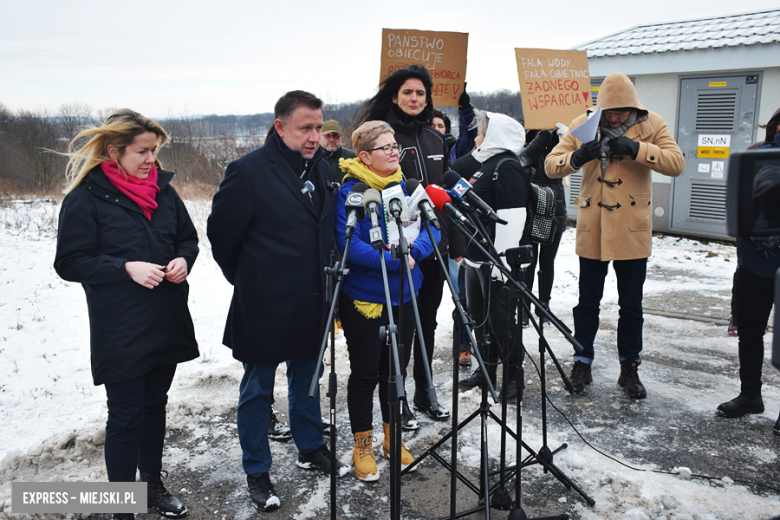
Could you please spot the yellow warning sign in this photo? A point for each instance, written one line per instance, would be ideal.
(717, 83)
(712, 152)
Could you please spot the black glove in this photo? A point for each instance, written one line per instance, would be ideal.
(624, 146)
(465, 101)
(586, 153)
(535, 148)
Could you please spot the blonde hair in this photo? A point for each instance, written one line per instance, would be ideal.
(119, 129)
(367, 133)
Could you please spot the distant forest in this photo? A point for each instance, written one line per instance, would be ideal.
(33, 143)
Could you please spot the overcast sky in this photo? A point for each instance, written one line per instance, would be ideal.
(238, 57)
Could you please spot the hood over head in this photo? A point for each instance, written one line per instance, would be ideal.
(504, 134)
(617, 91)
(771, 126)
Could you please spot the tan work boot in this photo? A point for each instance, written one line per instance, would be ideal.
(465, 357)
(406, 457)
(363, 457)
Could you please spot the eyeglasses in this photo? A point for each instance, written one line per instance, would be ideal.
(388, 148)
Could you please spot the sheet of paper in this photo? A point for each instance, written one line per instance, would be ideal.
(586, 132)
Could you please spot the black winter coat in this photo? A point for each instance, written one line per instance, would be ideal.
(533, 157)
(273, 244)
(425, 158)
(132, 329)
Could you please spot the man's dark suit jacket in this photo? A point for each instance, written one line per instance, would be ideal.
(273, 243)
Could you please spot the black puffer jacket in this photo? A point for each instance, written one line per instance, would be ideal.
(132, 329)
(333, 161)
(424, 156)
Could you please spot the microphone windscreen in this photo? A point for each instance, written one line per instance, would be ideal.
(392, 184)
(411, 186)
(438, 196)
(450, 178)
(360, 187)
(371, 195)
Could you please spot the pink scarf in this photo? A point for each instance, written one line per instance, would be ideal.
(142, 192)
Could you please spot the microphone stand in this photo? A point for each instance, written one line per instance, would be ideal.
(452, 466)
(522, 290)
(336, 272)
(396, 393)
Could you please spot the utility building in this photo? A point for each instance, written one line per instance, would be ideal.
(714, 80)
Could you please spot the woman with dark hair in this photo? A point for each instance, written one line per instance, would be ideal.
(125, 235)
(404, 101)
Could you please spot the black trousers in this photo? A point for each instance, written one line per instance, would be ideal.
(544, 257)
(754, 299)
(369, 360)
(135, 430)
(631, 276)
(428, 301)
(501, 319)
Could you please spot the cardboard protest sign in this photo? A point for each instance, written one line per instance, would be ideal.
(554, 86)
(442, 53)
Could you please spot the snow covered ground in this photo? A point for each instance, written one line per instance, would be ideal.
(52, 417)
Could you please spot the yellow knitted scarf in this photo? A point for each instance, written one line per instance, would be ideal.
(355, 168)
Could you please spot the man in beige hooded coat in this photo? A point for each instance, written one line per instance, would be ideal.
(614, 220)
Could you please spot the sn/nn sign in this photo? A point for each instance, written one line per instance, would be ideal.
(713, 146)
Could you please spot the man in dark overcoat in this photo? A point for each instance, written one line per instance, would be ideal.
(271, 232)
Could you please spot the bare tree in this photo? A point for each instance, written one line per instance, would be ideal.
(75, 117)
(37, 135)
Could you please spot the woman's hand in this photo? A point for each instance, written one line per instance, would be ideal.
(411, 262)
(144, 273)
(176, 270)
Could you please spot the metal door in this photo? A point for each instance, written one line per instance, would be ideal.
(716, 116)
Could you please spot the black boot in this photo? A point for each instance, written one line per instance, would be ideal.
(158, 497)
(629, 380)
(408, 420)
(580, 376)
(509, 392)
(543, 320)
(473, 381)
(261, 492)
(525, 318)
(741, 405)
(277, 430)
(422, 403)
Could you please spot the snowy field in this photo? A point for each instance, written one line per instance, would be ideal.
(52, 419)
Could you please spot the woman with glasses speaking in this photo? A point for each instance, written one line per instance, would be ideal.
(362, 299)
(404, 101)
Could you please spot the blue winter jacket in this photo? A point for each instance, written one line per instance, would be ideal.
(364, 281)
(465, 142)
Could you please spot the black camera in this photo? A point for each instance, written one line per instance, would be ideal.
(753, 208)
(521, 257)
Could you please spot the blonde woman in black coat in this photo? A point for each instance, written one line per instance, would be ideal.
(125, 235)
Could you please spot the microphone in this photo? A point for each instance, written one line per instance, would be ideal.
(395, 201)
(354, 207)
(372, 202)
(441, 201)
(463, 189)
(421, 200)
